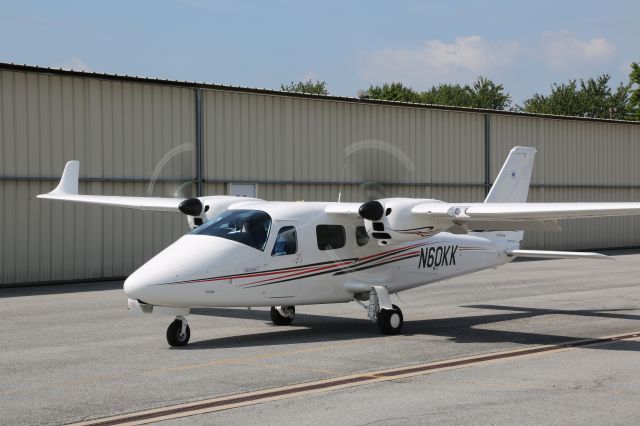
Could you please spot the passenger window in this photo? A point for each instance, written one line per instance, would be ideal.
(286, 242)
(330, 237)
(362, 238)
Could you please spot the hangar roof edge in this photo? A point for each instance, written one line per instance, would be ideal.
(7, 66)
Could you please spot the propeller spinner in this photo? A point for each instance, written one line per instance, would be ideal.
(371, 210)
(191, 207)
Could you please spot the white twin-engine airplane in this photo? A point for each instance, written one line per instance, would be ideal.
(245, 252)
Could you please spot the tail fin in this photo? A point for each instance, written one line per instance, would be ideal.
(512, 183)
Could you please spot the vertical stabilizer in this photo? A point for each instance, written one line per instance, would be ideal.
(512, 183)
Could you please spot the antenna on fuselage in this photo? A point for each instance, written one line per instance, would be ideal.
(344, 167)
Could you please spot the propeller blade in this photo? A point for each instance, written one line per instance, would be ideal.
(375, 162)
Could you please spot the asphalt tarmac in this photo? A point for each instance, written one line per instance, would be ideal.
(73, 352)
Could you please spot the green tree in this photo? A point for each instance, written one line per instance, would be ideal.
(447, 94)
(309, 86)
(590, 98)
(634, 88)
(391, 92)
(563, 100)
(484, 93)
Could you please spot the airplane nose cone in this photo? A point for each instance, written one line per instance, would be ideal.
(191, 257)
(134, 286)
(147, 281)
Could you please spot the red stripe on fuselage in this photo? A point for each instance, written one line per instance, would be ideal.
(306, 271)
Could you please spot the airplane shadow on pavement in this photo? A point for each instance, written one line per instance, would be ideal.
(462, 329)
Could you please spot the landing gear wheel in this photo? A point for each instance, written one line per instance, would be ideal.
(277, 315)
(390, 321)
(175, 336)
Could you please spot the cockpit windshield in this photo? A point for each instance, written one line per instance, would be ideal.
(250, 227)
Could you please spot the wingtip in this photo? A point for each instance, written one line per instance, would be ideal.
(69, 181)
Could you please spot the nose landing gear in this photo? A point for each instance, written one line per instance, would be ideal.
(283, 315)
(178, 332)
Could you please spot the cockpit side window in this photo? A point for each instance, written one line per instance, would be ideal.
(249, 227)
(286, 242)
(330, 237)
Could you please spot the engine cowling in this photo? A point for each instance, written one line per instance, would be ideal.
(391, 221)
(200, 210)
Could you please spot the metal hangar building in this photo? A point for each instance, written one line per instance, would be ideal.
(145, 136)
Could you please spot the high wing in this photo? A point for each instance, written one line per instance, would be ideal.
(505, 207)
(344, 209)
(67, 190)
(524, 211)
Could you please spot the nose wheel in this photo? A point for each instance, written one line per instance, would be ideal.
(178, 332)
(283, 315)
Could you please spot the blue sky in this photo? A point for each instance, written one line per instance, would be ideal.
(350, 45)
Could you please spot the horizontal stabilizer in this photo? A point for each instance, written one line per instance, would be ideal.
(542, 254)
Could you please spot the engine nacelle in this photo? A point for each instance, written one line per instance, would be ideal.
(396, 222)
(210, 207)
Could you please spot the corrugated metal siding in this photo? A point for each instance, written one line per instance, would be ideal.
(118, 131)
(576, 161)
(295, 148)
(355, 193)
(263, 138)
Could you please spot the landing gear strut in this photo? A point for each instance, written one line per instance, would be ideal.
(283, 315)
(178, 332)
(381, 311)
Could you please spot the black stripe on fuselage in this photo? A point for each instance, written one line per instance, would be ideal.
(337, 271)
(358, 265)
(374, 266)
(348, 268)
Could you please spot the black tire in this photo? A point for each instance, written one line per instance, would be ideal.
(175, 336)
(390, 321)
(278, 319)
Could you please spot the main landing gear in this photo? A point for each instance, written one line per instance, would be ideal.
(283, 315)
(178, 332)
(381, 311)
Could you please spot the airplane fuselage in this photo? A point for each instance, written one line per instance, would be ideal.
(244, 252)
(202, 270)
